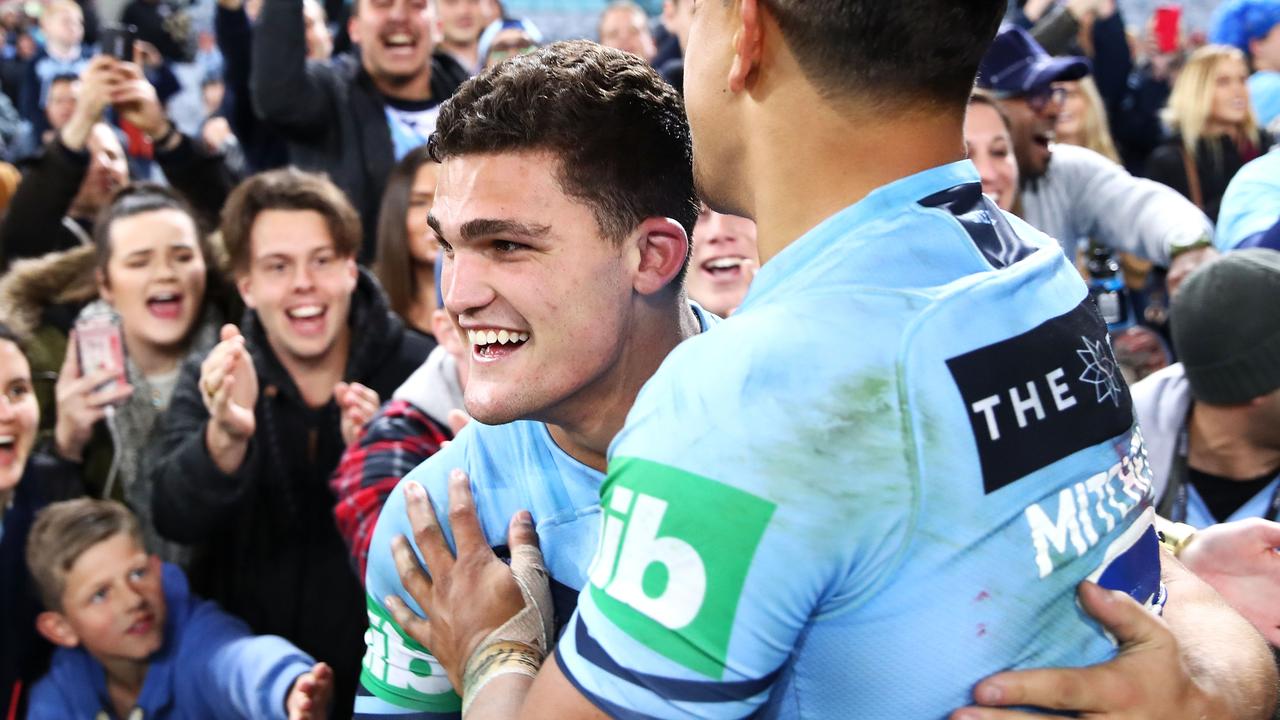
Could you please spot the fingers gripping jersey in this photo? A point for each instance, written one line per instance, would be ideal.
(512, 467)
(876, 484)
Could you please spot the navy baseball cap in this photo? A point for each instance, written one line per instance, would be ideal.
(1017, 65)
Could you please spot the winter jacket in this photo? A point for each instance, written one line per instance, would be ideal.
(39, 296)
(410, 428)
(1217, 160)
(333, 116)
(24, 655)
(38, 223)
(210, 666)
(264, 146)
(270, 552)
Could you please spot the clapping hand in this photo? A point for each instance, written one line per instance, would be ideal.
(358, 405)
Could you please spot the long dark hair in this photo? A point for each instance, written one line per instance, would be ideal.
(394, 267)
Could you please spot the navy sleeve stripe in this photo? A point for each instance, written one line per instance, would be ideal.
(669, 688)
(613, 710)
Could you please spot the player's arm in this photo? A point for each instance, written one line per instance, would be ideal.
(1202, 661)
(492, 650)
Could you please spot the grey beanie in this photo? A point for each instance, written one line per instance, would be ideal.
(1226, 327)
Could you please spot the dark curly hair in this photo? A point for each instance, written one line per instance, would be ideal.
(618, 129)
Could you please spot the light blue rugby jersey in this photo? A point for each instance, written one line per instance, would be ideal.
(1251, 204)
(512, 467)
(877, 483)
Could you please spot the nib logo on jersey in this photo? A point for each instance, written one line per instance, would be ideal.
(1036, 398)
(675, 549)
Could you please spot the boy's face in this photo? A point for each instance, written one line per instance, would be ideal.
(298, 283)
(64, 26)
(113, 602)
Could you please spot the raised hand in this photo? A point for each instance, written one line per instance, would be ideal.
(136, 100)
(1241, 561)
(309, 697)
(229, 385)
(97, 81)
(358, 405)
(80, 404)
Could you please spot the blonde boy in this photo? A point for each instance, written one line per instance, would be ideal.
(132, 638)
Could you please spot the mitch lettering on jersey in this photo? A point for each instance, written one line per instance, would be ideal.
(1038, 397)
(1085, 512)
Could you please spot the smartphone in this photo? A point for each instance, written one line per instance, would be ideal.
(101, 347)
(117, 41)
(1168, 28)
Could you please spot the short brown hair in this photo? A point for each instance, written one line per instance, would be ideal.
(66, 530)
(618, 129)
(287, 189)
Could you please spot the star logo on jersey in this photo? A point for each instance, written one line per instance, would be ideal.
(1100, 370)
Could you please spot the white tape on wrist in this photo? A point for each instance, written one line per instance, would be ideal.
(520, 644)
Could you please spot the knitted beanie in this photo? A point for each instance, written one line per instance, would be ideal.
(1226, 327)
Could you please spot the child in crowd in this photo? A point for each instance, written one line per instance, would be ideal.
(132, 638)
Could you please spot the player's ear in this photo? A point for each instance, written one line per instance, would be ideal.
(748, 45)
(664, 250)
(53, 626)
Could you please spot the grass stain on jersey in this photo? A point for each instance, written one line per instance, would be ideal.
(810, 461)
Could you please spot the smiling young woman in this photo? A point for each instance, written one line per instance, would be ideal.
(1214, 131)
(149, 271)
(29, 480)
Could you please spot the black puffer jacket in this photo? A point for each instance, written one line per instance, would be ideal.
(271, 553)
(333, 117)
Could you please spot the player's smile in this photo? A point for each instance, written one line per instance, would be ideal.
(490, 344)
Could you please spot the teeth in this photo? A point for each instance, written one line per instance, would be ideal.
(165, 297)
(723, 263)
(309, 311)
(491, 337)
(6, 439)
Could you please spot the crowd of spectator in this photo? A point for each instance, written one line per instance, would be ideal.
(224, 343)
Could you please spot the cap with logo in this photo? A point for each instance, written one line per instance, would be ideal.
(1226, 330)
(1017, 65)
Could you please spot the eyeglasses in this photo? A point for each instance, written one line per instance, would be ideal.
(1041, 98)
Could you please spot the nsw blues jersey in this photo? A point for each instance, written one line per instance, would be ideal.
(877, 483)
(512, 467)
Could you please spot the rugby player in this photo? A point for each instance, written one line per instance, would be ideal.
(565, 258)
(911, 439)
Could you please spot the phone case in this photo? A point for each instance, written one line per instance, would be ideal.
(101, 347)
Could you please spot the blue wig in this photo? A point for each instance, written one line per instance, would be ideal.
(1236, 22)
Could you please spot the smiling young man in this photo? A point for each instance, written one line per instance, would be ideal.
(351, 120)
(949, 454)
(565, 257)
(255, 429)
